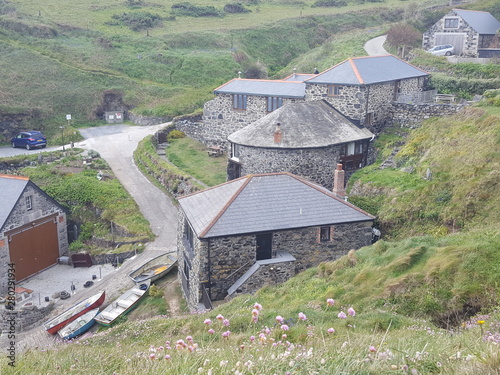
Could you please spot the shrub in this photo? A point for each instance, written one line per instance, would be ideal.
(404, 35)
(329, 3)
(139, 20)
(175, 134)
(235, 8)
(492, 97)
(190, 10)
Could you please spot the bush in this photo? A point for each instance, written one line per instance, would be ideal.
(235, 8)
(139, 20)
(190, 10)
(329, 3)
(175, 134)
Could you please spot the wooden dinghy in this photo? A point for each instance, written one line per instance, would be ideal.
(123, 304)
(154, 269)
(79, 326)
(54, 325)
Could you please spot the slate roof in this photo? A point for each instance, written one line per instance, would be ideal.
(301, 77)
(482, 22)
(11, 188)
(265, 202)
(368, 70)
(284, 89)
(303, 125)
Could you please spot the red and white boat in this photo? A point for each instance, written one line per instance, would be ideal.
(55, 324)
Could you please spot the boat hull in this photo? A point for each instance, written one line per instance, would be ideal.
(79, 326)
(123, 305)
(80, 308)
(154, 269)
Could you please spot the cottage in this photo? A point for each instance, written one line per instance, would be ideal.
(259, 230)
(32, 229)
(470, 32)
(364, 89)
(307, 139)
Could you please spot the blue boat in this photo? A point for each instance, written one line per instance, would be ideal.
(79, 326)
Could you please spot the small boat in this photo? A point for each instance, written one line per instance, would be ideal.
(78, 326)
(63, 319)
(123, 304)
(154, 269)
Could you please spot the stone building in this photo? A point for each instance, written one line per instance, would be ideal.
(259, 230)
(307, 139)
(364, 89)
(470, 32)
(32, 229)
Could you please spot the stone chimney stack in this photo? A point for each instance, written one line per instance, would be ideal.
(277, 133)
(338, 182)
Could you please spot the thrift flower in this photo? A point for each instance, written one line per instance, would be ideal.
(342, 315)
(166, 356)
(211, 331)
(331, 330)
(372, 349)
(219, 317)
(226, 322)
(330, 301)
(279, 319)
(226, 334)
(207, 322)
(152, 356)
(284, 327)
(257, 306)
(302, 316)
(252, 338)
(351, 311)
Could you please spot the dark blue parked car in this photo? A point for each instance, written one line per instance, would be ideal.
(29, 140)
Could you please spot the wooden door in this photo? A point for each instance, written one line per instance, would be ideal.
(264, 246)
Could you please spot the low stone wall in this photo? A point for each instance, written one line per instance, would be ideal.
(147, 120)
(23, 318)
(412, 115)
(112, 258)
(192, 126)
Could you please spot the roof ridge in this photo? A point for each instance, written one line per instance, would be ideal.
(13, 177)
(228, 203)
(210, 188)
(356, 71)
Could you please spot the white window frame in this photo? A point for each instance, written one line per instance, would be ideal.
(29, 202)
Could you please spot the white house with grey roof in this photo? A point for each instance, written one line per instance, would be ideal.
(32, 229)
(307, 139)
(259, 230)
(470, 32)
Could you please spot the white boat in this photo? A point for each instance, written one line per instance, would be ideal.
(123, 304)
(154, 268)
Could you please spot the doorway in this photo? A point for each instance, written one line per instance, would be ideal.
(264, 246)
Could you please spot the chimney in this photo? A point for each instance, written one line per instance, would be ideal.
(338, 182)
(277, 134)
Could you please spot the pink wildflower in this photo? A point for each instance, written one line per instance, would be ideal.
(284, 327)
(226, 334)
(226, 322)
(152, 356)
(252, 338)
(207, 322)
(167, 356)
(267, 331)
(372, 349)
(331, 330)
(351, 311)
(330, 301)
(302, 316)
(257, 306)
(219, 317)
(255, 312)
(211, 331)
(189, 338)
(342, 315)
(279, 319)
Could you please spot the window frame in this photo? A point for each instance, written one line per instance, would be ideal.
(273, 103)
(325, 233)
(448, 20)
(29, 202)
(333, 90)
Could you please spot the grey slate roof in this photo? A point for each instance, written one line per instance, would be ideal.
(284, 89)
(303, 125)
(266, 202)
(301, 77)
(482, 22)
(11, 188)
(368, 70)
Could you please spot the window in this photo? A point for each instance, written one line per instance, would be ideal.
(451, 23)
(189, 235)
(324, 234)
(239, 101)
(273, 103)
(235, 150)
(29, 203)
(354, 148)
(333, 90)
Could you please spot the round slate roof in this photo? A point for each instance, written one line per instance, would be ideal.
(303, 125)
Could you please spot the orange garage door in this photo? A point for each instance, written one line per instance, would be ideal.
(34, 249)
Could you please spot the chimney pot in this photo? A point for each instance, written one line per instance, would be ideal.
(278, 134)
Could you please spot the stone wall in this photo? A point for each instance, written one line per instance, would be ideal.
(315, 164)
(220, 262)
(220, 119)
(412, 115)
(13, 123)
(23, 318)
(147, 120)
